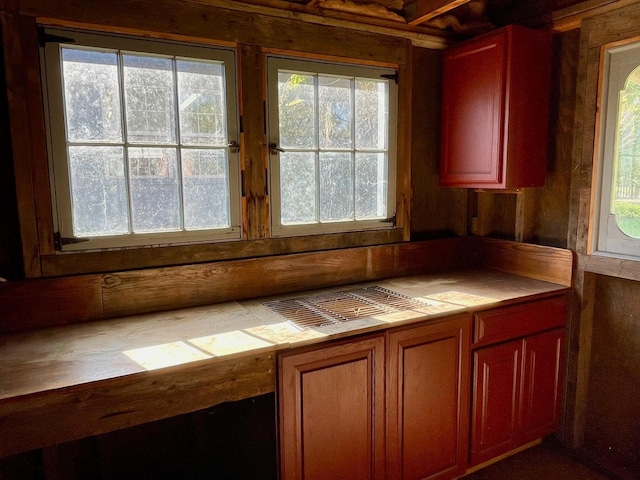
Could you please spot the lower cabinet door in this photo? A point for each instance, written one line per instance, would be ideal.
(543, 380)
(331, 412)
(496, 400)
(428, 406)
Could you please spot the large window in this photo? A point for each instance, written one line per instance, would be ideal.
(142, 141)
(332, 147)
(618, 225)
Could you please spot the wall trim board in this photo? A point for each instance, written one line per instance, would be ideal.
(40, 303)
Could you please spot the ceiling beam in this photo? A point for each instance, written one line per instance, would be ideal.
(423, 10)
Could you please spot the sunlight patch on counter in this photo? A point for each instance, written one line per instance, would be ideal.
(229, 343)
(461, 298)
(165, 355)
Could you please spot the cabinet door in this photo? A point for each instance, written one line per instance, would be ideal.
(427, 423)
(542, 382)
(332, 412)
(472, 113)
(496, 392)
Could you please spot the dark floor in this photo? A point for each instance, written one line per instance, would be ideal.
(542, 462)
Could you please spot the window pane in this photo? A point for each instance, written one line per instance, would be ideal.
(202, 107)
(98, 191)
(91, 95)
(371, 114)
(155, 194)
(371, 185)
(149, 96)
(296, 103)
(206, 189)
(298, 188)
(626, 202)
(336, 111)
(336, 187)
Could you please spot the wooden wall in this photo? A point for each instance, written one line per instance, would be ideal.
(435, 211)
(612, 430)
(603, 392)
(10, 254)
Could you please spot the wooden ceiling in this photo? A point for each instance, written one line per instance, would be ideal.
(461, 17)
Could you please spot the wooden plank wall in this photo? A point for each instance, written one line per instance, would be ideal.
(612, 418)
(46, 302)
(435, 210)
(603, 388)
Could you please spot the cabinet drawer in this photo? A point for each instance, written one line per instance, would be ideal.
(506, 323)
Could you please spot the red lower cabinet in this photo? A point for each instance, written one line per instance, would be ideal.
(331, 412)
(332, 406)
(496, 400)
(428, 406)
(517, 384)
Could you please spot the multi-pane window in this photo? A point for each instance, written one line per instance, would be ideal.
(618, 225)
(332, 139)
(140, 135)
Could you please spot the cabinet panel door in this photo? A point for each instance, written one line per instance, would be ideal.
(428, 400)
(332, 412)
(496, 392)
(472, 115)
(542, 383)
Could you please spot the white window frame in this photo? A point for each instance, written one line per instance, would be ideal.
(51, 61)
(608, 239)
(276, 63)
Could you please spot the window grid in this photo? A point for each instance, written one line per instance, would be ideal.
(326, 221)
(125, 160)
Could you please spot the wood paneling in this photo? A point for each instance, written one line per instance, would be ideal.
(434, 210)
(551, 205)
(404, 144)
(595, 394)
(613, 406)
(544, 263)
(194, 19)
(21, 141)
(140, 291)
(10, 248)
(39, 303)
(255, 164)
(130, 259)
(49, 302)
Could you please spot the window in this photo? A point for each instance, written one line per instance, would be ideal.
(140, 135)
(618, 224)
(332, 138)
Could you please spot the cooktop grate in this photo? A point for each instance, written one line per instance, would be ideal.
(337, 307)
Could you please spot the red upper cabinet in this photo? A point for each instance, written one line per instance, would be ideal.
(495, 105)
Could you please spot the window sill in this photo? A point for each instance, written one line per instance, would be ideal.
(613, 266)
(149, 257)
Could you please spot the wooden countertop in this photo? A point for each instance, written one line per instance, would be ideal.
(64, 383)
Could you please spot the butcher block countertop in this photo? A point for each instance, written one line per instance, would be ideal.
(64, 383)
